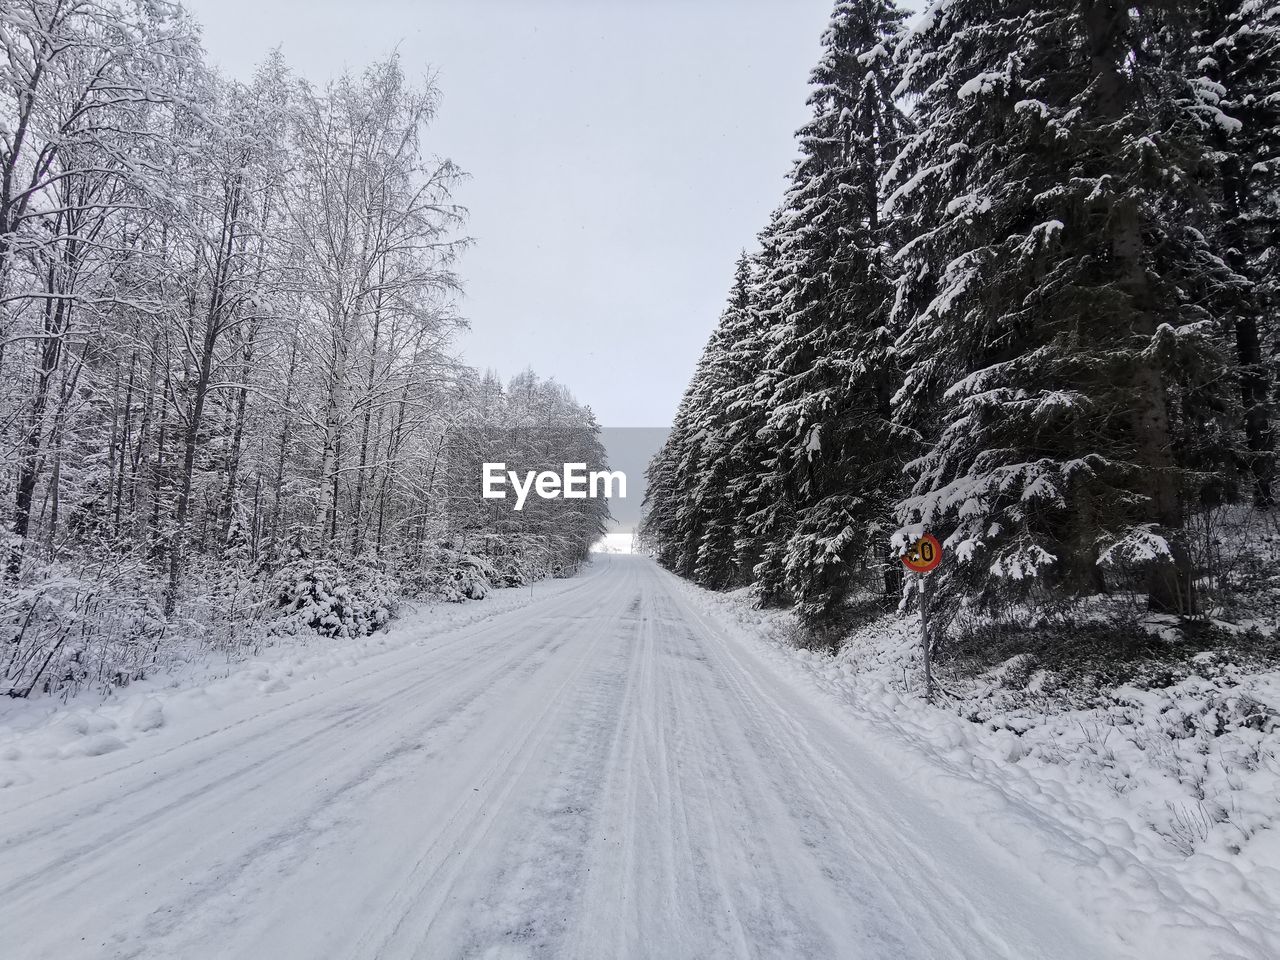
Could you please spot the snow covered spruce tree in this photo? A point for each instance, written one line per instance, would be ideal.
(1059, 330)
(710, 508)
(828, 370)
(661, 492)
(727, 491)
(698, 510)
(779, 469)
(681, 506)
(760, 505)
(1235, 48)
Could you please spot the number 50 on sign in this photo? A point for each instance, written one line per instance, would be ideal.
(925, 554)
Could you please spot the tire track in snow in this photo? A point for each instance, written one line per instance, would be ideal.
(281, 760)
(878, 828)
(403, 657)
(410, 925)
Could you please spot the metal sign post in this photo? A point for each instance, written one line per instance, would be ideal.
(925, 595)
(923, 558)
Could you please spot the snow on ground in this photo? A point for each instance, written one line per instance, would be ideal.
(620, 766)
(1162, 806)
(39, 733)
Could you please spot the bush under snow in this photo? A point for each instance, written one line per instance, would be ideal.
(318, 594)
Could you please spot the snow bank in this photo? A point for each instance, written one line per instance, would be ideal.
(1156, 812)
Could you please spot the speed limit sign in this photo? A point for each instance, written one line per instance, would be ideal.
(924, 555)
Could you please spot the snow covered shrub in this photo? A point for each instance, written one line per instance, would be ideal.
(510, 561)
(455, 576)
(509, 572)
(316, 593)
(380, 592)
(470, 578)
(818, 638)
(94, 622)
(228, 595)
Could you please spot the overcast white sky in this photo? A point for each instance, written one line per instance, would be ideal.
(620, 153)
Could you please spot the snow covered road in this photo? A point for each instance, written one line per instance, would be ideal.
(602, 773)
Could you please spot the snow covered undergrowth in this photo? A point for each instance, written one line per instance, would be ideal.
(38, 735)
(1157, 809)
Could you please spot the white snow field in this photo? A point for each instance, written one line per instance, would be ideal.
(605, 772)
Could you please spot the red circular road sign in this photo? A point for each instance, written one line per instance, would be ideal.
(924, 555)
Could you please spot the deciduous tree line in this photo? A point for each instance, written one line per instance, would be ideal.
(225, 313)
(1021, 292)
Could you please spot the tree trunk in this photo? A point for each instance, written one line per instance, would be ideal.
(183, 507)
(1169, 587)
(212, 330)
(1255, 381)
(274, 521)
(57, 313)
(237, 433)
(357, 526)
(122, 455)
(332, 428)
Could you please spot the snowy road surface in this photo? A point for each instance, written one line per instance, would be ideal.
(601, 774)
